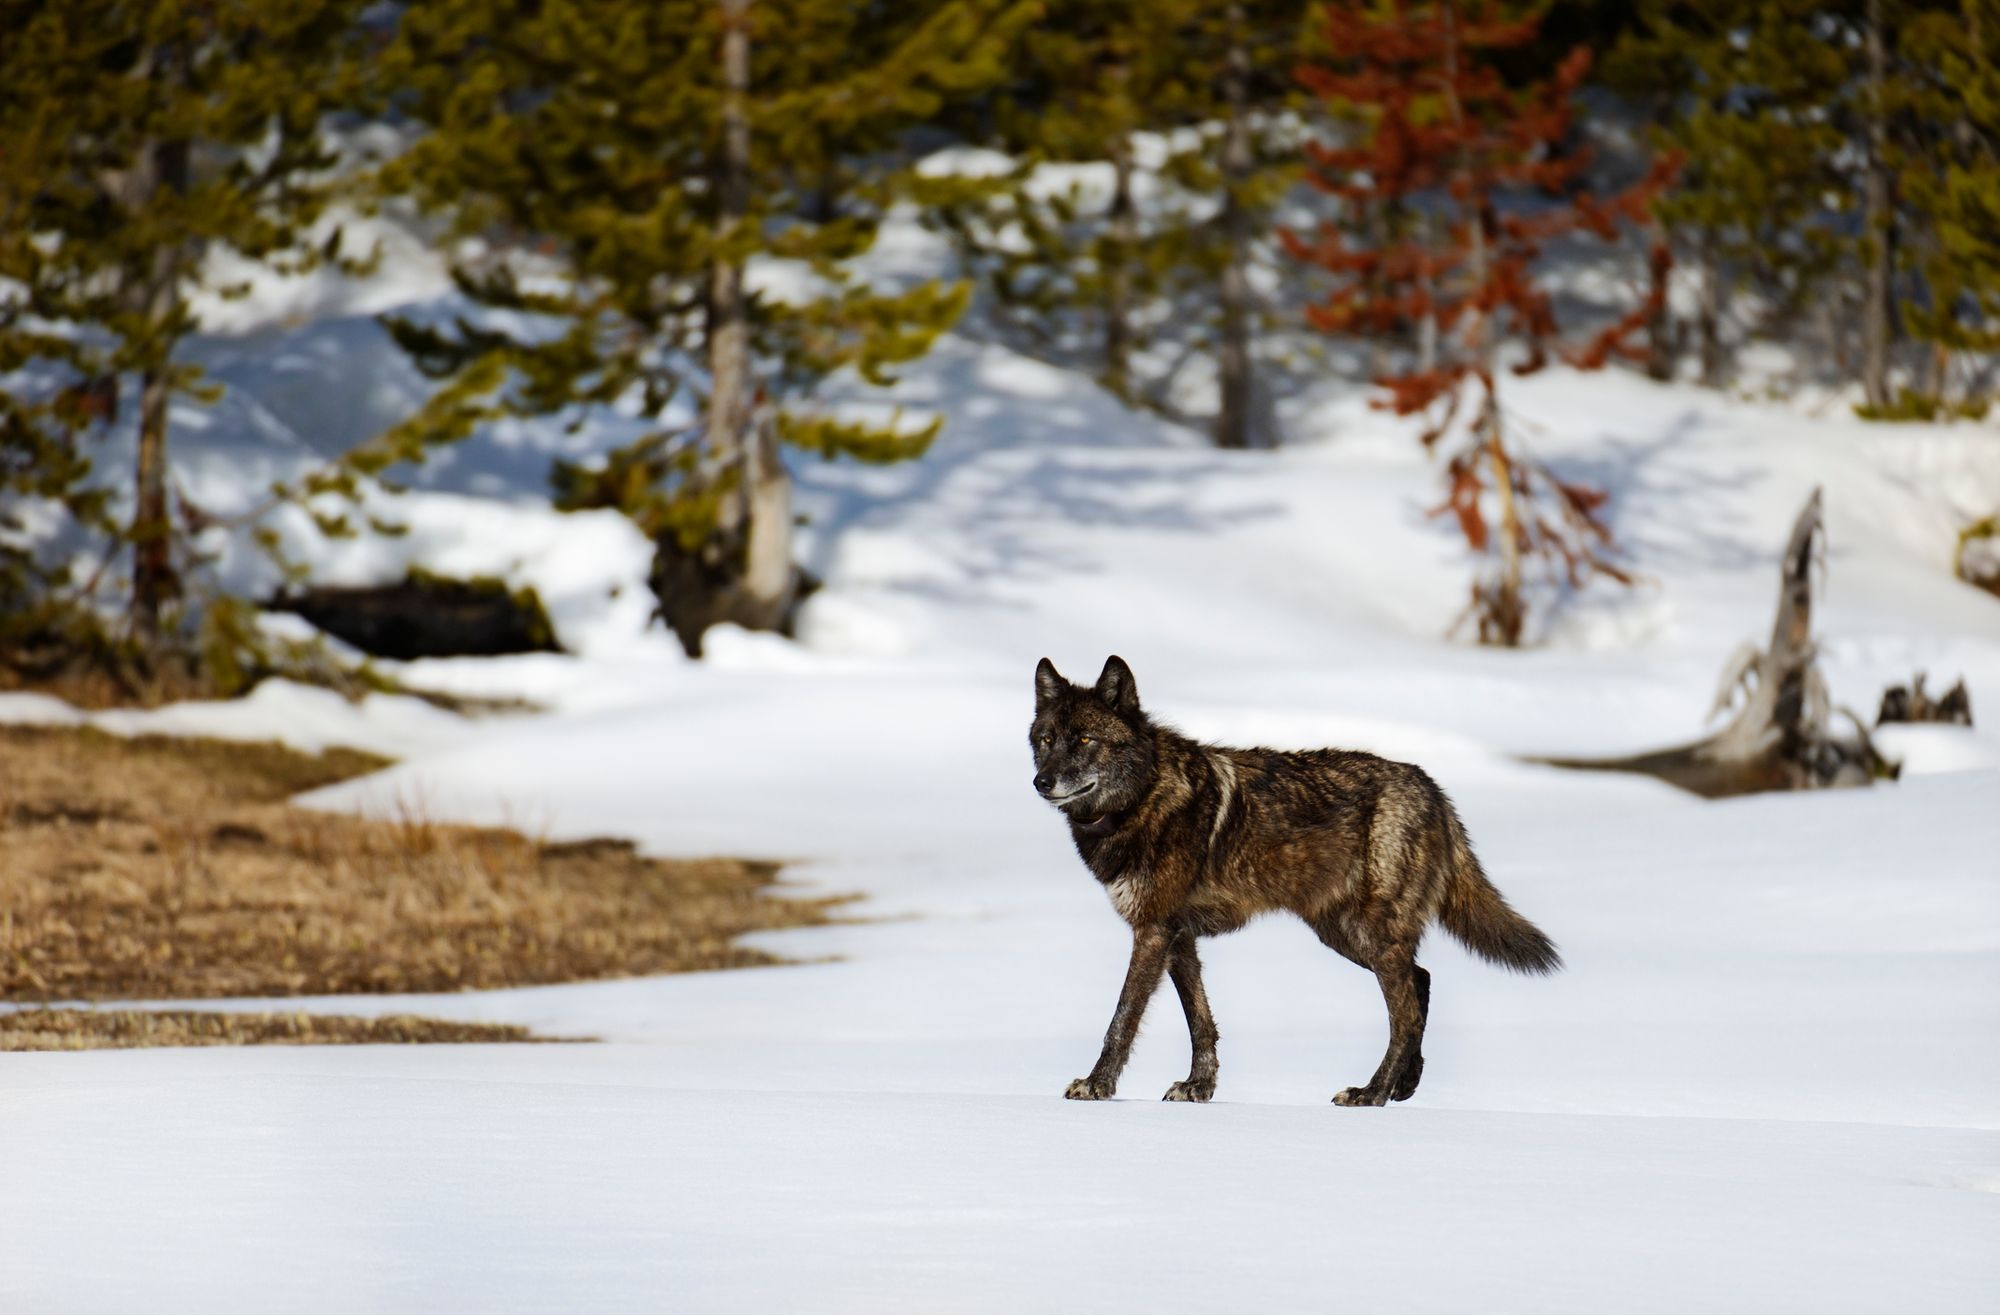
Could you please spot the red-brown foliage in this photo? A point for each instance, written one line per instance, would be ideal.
(1447, 140)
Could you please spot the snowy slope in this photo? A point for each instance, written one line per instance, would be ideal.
(1769, 1078)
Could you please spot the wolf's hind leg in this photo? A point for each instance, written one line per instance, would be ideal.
(1413, 1068)
(1335, 937)
(1402, 1063)
(1184, 966)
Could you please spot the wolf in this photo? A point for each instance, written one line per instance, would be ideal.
(1193, 840)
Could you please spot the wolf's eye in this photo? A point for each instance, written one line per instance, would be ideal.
(1083, 739)
(1042, 740)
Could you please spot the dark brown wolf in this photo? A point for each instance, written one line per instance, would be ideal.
(1192, 840)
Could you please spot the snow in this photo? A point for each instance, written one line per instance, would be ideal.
(1768, 1078)
(302, 716)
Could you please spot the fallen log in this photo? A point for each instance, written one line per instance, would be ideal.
(1782, 736)
(425, 615)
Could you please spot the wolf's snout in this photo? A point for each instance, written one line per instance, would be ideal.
(1044, 783)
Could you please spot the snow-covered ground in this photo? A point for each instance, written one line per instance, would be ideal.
(1769, 1078)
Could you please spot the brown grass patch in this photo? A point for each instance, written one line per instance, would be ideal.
(158, 868)
(130, 1029)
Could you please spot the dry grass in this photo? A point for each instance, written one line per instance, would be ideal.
(128, 1029)
(162, 868)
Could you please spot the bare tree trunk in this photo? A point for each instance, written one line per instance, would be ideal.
(1940, 380)
(1383, 225)
(163, 167)
(745, 572)
(1233, 421)
(1662, 335)
(1427, 327)
(728, 419)
(152, 526)
(1123, 234)
(1875, 324)
(1709, 326)
(1501, 611)
(770, 579)
(742, 569)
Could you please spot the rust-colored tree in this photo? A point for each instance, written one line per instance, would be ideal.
(1452, 186)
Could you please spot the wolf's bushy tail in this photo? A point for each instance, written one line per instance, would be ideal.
(1481, 919)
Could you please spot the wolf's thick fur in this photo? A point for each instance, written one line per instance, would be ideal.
(1193, 840)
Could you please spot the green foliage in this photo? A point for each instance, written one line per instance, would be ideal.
(1913, 405)
(1951, 176)
(1773, 103)
(1760, 109)
(651, 482)
(1096, 275)
(137, 139)
(575, 147)
(877, 445)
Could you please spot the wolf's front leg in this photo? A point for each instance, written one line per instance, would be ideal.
(1184, 965)
(1142, 978)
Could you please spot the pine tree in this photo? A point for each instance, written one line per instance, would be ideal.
(1483, 167)
(1745, 92)
(1950, 181)
(1840, 164)
(1095, 277)
(613, 168)
(135, 138)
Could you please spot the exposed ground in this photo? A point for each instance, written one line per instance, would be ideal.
(174, 869)
(129, 1029)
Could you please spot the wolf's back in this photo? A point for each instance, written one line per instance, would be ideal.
(1481, 920)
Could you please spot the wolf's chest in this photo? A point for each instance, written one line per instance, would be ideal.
(1126, 893)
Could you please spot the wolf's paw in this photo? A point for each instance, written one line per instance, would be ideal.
(1406, 1085)
(1361, 1096)
(1191, 1090)
(1088, 1089)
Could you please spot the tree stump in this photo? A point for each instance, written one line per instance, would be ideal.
(1782, 735)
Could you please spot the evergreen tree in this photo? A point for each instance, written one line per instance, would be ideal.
(1481, 166)
(136, 136)
(1098, 277)
(1840, 158)
(612, 168)
(1950, 181)
(1744, 92)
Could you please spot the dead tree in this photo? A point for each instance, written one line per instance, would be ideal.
(1913, 703)
(1782, 735)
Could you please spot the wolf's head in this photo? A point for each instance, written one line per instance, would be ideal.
(1093, 747)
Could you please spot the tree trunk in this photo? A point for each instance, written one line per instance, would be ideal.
(743, 572)
(1427, 327)
(770, 579)
(1877, 312)
(1663, 350)
(1122, 241)
(728, 417)
(1232, 421)
(1709, 327)
(1499, 603)
(1503, 613)
(163, 167)
(152, 525)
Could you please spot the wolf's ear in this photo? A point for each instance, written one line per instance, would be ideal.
(1116, 686)
(1048, 682)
